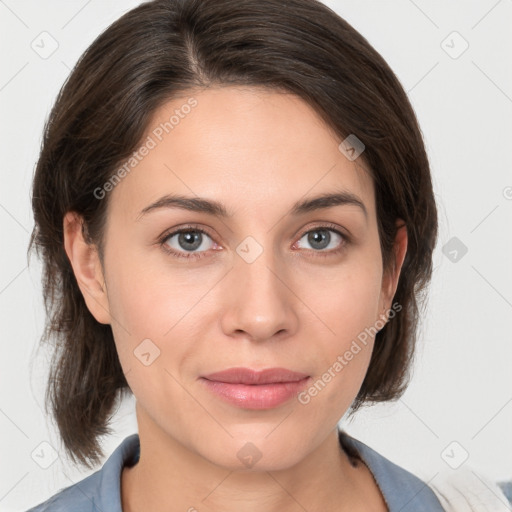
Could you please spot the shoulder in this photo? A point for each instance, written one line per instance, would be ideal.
(82, 496)
(79, 497)
(98, 492)
(463, 490)
(402, 490)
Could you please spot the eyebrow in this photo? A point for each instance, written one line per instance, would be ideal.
(217, 209)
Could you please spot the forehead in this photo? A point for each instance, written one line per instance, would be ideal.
(249, 148)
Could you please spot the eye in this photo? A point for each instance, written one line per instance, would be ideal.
(192, 242)
(188, 242)
(320, 239)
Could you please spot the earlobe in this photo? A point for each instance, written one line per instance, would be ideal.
(86, 266)
(391, 277)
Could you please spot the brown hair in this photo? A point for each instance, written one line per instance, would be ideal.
(144, 59)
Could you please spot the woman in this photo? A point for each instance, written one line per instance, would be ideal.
(235, 214)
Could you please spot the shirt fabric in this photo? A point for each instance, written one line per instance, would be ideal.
(467, 490)
(101, 491)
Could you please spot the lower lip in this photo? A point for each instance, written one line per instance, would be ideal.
(261, 396)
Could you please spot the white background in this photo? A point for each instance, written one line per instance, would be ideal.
(462, 385)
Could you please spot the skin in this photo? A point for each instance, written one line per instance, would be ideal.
(258, 152)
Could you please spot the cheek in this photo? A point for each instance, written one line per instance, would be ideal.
(151, 301)
(345, 300)
(142, 307)
(346, 303)
(148, 313)
(148, 297)
(355, 306)
(141, 304)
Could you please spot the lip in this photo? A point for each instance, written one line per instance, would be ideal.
(241, 375)
(253, 389)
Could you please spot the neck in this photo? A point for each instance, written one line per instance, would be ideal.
(170, 473)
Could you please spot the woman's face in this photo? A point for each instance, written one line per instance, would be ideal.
(268, 285)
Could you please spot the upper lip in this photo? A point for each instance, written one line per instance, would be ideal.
(249, 376)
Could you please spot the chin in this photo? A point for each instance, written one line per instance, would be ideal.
(254, 453)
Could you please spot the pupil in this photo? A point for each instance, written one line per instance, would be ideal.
(319, 236)
(191, 238)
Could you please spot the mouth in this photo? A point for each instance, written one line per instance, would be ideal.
(252, 389)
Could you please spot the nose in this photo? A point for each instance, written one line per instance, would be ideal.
(260, 304)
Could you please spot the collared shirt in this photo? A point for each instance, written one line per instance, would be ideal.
(101, 491)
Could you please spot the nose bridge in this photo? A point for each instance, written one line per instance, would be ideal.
(260, 301)
(255, 268)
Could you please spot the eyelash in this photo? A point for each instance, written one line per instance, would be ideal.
(195, 256)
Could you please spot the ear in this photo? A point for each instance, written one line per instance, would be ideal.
(391, 276)
(84, 259)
